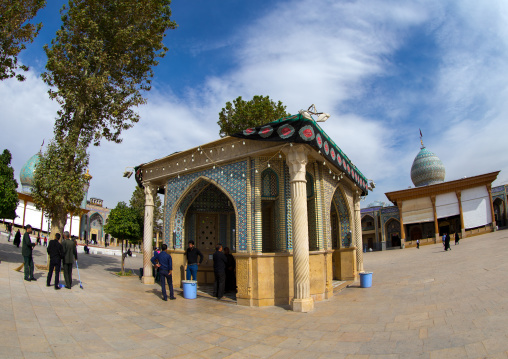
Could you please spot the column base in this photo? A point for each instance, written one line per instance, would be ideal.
(148, 280)
(302, 305)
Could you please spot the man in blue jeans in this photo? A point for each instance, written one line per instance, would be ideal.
(163, 261)
(192, 254)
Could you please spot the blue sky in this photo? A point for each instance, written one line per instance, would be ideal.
(382, 69)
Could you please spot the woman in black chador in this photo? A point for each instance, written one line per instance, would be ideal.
(230, 271)
(17, 239)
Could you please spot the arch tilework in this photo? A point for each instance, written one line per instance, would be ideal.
(345, 225)
(232, 178)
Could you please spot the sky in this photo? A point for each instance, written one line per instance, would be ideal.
(383, 69)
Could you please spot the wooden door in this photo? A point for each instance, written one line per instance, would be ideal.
(207, 235)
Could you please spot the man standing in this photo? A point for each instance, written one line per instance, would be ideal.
(9, 229)
(56, 253)
(164, 262)
(219, 267)
(26, 250)
(70, 255)
(192, 254)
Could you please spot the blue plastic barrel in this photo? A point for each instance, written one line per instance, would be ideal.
(189, 289)
(366, 279)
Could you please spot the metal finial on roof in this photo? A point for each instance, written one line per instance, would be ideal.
(421, 139)
(322, 116)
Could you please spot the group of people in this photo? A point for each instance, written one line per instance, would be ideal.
(65, 251)
(446, 240)
(223, 265)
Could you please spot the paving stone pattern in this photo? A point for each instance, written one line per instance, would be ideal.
(423, 303)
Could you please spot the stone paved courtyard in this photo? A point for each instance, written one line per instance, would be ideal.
(424, 303)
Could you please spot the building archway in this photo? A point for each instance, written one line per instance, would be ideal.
(205, 214)
(499, 212)
(341, 237)
(96, 228)
(392, 233)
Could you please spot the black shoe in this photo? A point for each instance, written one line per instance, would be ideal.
(48, 285)
(67, 287)
(219, 298)
(57, 288)
(33, 278)
(28, 280)
(172, 298)
(165, 299)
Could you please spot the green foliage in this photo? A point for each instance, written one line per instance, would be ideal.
(138, 203)
(123, 222)
(243, 114)
(15, 31)
(59, 181)
(8, 185)
(99, 62)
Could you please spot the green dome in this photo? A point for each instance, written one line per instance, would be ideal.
(427, 169)
(26, 175)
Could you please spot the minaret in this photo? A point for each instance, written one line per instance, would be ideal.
(87, 177)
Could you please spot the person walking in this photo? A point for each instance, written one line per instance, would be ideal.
(230, 271)
(447, 242)
(444, 240)
(70, 255)
(192, 254)
(27, 251)
(418, 244)
(457, 238)
(45, 241)
(56, 253)
(164, 262)
(9, 229)
(219, 268)
(17, 239)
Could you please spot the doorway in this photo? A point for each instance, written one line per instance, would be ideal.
(207, 235)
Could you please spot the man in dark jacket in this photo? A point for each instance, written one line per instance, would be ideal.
(56, 253)
(192, 254)
(70, 255)
(26, 251)
(164, 262)
(219, 267)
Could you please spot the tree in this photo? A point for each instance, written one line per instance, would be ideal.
(243, 114)
(15, 31)
(98, 65)
(8, 195)
(123, 223)
(59, 182)
(138, 203)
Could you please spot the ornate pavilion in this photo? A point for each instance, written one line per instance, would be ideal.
(433, 207)
(283, 197)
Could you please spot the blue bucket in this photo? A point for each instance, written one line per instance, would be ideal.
(366, 279)
(189, 289)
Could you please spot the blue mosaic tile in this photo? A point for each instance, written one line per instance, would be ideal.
(232, 179)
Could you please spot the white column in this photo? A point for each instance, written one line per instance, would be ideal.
(297, 161)
(150, 192)
(358, 233)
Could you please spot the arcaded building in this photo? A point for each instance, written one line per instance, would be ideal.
(283, 197)
(433, 207)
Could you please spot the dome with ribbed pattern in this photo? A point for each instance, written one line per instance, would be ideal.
(427, 169)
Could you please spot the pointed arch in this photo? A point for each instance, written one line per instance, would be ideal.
(392, 232)
(180, 208)
(344, 215)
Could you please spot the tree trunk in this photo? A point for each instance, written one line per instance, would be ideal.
(58, 222)
(123, 259)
